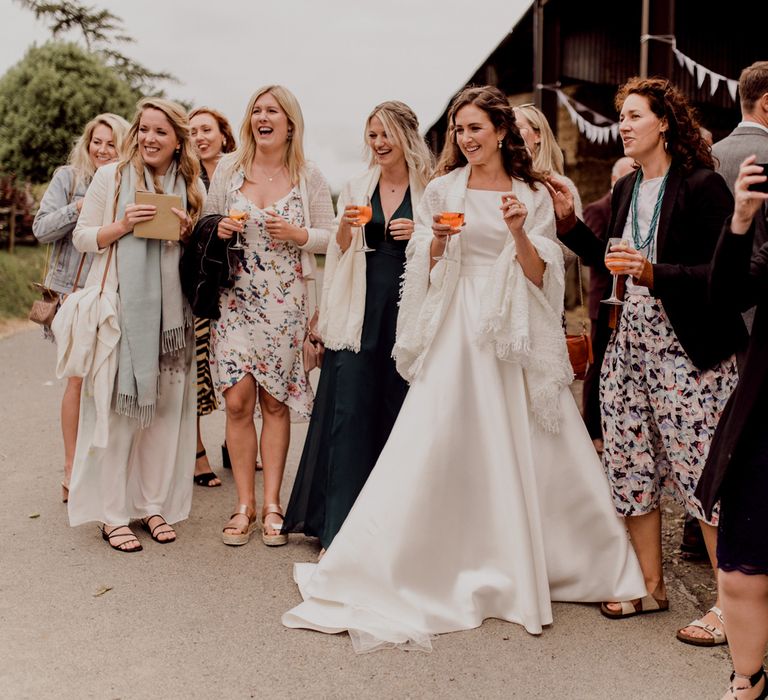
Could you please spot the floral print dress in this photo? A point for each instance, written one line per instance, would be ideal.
(264, 314)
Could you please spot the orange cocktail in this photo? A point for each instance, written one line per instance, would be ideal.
(364, 214)
(454, 219)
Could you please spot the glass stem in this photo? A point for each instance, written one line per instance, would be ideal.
(613, 287)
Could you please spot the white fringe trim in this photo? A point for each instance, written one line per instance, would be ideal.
(129, 406)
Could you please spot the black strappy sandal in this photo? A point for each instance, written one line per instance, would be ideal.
(152, 530)
(120, 531)
(205, 478)
(753, 680)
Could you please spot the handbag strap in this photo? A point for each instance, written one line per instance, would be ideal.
(48, 260)
(581, 294)
(79, 271)
(106, 268)
(313, 284)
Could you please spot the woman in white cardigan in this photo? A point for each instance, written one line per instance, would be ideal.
(256, 344)
(136, 443)
(360, 392)
(488, 499)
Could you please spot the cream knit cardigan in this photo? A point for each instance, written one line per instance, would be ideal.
(520, 321)
(315, 200)
(342, 304)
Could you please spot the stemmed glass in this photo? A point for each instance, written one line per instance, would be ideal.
(240, 216)
(454, 218)
(364, 214)
(616, 267)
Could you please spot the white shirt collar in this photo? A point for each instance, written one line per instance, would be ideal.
(748, 122)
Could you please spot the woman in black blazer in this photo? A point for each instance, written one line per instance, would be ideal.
(737, 467)
(670, 365)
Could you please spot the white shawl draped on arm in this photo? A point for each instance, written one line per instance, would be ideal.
(342, 305)
(523, 323)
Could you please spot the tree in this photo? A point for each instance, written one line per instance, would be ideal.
(46, 100)
(101, 31)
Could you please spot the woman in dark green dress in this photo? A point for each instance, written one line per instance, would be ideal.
(360, 392)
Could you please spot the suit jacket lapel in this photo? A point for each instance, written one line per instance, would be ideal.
(667, 207)
(622, 211)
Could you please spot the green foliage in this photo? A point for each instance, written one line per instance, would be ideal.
(95, 25)
(18, 271)
(46, 100)
(102, 31)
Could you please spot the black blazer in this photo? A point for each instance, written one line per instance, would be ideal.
(692, 214)
(740, 278)
(208, 265)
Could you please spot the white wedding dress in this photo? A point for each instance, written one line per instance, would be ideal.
(472, 510)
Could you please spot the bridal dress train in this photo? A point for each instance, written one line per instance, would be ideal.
(473, 510)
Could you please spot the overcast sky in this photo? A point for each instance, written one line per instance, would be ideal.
(340, 57)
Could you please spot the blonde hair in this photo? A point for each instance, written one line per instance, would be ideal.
(294, 158)
(548, 157)
(186, 160)
(402, 127)
(79, 158)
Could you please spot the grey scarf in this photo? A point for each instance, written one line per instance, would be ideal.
(153, 314)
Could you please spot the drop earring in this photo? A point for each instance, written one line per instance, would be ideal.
(501, 143)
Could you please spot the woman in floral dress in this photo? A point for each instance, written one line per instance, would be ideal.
(256, 344)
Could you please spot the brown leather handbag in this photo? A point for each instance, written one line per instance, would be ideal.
(580, 344)
(43, 310)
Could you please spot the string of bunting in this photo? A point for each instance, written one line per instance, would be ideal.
(699, 72)
(597, 128)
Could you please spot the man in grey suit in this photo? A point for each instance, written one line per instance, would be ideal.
(751, 135)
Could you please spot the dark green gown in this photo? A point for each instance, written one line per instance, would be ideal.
(358, 397)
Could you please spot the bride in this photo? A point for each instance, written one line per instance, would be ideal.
(488, 499)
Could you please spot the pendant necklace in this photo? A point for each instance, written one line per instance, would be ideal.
(390, 187)
(648, 242)
(269, 179)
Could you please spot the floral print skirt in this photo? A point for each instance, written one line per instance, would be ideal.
(659, 411)
(264, 315)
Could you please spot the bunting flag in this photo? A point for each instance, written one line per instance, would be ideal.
(596, 129)
(701, 73)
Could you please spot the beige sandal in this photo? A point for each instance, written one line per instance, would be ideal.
(630, 608)
(272, 540)
(234, 536)
(718, 635)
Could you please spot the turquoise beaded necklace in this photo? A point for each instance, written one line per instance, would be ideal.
(648, 243)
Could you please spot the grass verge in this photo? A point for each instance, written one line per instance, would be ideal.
(17, 272)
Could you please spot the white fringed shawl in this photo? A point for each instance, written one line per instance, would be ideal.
(342, 304)
(523, 323)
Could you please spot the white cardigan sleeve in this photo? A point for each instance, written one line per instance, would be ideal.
(95, 208)
(216, 198)
(321, 215)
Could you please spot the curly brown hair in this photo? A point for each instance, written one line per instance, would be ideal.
(224, 126)
(683, 139)
(514, 154)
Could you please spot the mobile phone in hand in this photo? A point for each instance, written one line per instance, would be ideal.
(761, 186)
